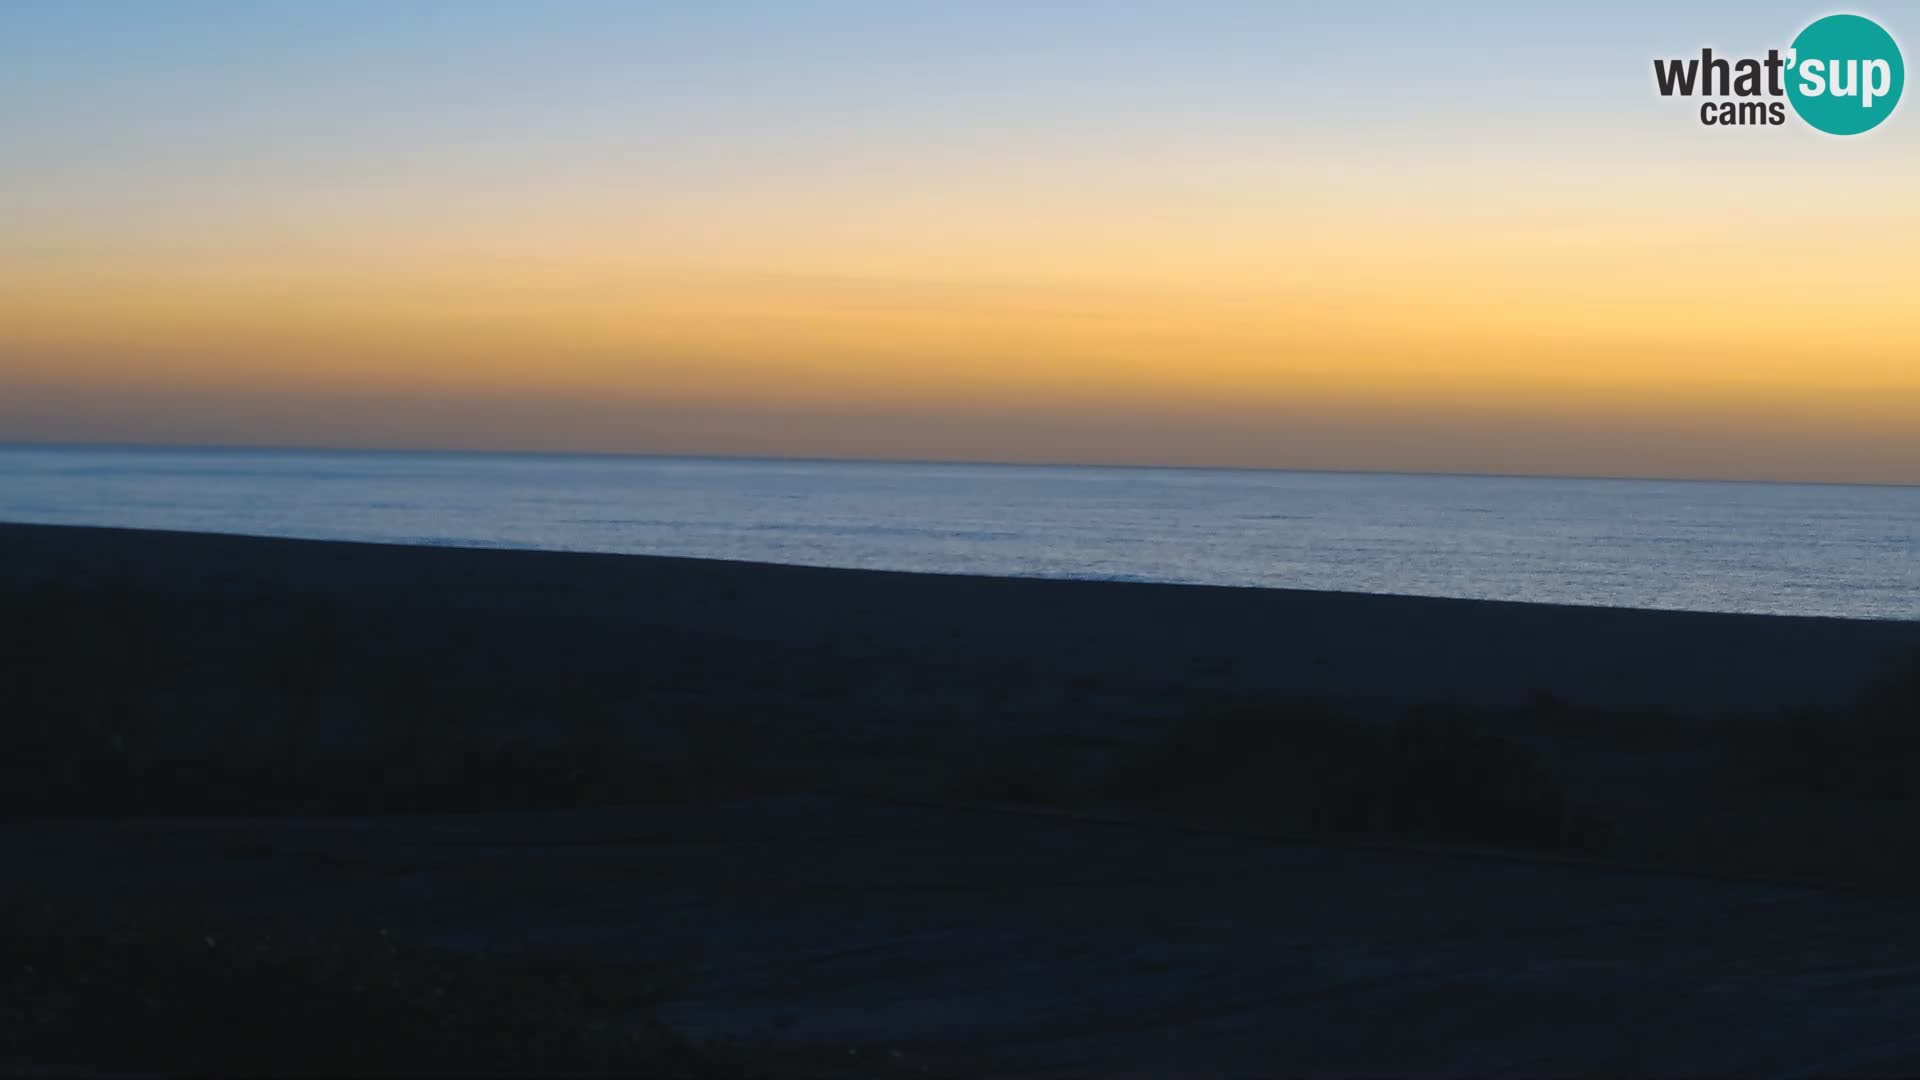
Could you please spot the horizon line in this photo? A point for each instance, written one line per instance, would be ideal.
(669, 455)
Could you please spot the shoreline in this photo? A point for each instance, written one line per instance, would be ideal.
(967, 644)
(507, 546)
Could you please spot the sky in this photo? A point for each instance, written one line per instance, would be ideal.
(1398, 236)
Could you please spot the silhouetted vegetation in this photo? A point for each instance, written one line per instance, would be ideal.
(1432, 774)
(1868, 752)
(1032, 785)
(1011, 772)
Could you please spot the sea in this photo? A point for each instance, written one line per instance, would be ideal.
(1800, 549)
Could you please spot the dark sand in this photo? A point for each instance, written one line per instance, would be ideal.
(1012, 945)
(1004, 944)
(903, 649)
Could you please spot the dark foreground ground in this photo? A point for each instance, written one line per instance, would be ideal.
(985, 944)
(838, 823)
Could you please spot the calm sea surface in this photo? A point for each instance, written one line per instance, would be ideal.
(1803, 549)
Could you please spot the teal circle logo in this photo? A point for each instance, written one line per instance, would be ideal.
(1845, 74)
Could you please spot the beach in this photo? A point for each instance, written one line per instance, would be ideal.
(832, 880)
(909, 651)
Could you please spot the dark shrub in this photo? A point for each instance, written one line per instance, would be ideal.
(1871, 751)
(1447, 779)
(1892, 700)
(1042, 782)
(1432, 774)
(1253, 761)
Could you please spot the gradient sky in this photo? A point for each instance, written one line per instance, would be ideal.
(1387, 236)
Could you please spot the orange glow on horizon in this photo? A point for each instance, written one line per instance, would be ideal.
(1446, 315)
